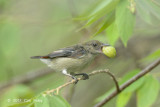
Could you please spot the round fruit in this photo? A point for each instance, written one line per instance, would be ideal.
(109, 51)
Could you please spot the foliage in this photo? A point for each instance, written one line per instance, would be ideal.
(119, 15)
(149, 88)
(152, 56)
(16, 94)
(24, 34)
(143, 87)
(43, 100)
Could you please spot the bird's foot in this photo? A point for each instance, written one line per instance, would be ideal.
(84, 76)
(76, 80)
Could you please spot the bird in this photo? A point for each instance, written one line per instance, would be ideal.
(74, 58)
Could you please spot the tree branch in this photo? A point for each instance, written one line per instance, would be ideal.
(129, 82)
(90, 74)
(26, 78)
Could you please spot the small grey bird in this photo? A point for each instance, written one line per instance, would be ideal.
(73, 59)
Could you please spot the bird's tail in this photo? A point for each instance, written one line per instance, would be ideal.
(40, 57)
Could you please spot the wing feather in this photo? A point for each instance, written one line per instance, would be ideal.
(71, 52)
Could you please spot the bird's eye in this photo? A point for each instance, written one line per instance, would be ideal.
(94, 44)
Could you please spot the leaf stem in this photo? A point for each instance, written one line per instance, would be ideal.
(129, 82)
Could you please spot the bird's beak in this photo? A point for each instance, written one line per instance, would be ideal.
(104, 45)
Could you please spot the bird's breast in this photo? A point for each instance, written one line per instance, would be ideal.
(71, 64)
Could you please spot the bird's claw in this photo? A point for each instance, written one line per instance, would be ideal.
(76, 80)
(84, 76)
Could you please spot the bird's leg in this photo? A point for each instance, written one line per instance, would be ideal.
(67, 74)
(84, 75)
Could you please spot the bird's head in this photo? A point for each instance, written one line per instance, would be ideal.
(97, 47)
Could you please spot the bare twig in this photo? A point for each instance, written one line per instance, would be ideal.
(129, 82)
(26, 78)
(109, 73)
(90, 74)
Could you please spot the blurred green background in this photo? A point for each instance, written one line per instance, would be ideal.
(37, 27)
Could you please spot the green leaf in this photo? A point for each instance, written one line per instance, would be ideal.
(134, 86)
(129, 75)
(125, 20)
(30, 105)
(155, 55)
(107, 22)
(20, 104)
(104, 95)
(147, 94)
(89, 22)
(86, 14)
(105, 7)
(112, 34)
(50, 101)
(17, 95)
(123, 99)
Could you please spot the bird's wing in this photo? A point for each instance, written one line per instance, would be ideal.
(71, 52)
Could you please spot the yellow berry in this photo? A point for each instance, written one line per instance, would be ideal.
(109, 51)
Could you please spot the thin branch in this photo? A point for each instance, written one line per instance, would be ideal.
(90, 74)
(26, 78)
(110, 74)
(129, 82)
